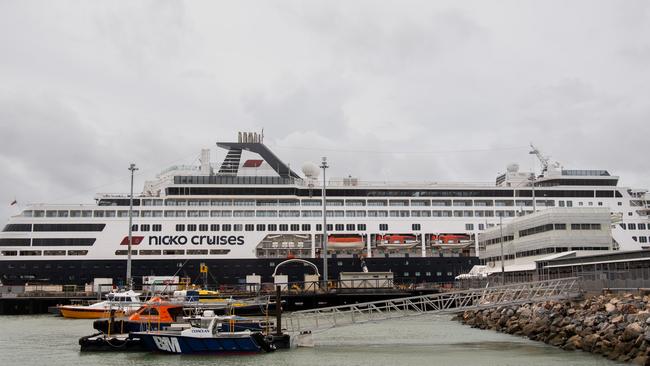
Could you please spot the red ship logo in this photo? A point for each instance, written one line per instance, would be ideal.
(136, 240)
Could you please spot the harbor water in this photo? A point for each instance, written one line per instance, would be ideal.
(425, 340)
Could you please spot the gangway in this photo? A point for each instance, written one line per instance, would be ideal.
(455, 301)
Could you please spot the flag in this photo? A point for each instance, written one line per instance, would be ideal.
(14, 202)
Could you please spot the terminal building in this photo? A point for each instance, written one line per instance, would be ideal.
(532, 240)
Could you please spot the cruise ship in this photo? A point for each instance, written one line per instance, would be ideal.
(252, 211)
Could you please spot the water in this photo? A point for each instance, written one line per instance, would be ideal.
(429, 340)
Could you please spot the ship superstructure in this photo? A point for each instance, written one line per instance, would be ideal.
(252, 211)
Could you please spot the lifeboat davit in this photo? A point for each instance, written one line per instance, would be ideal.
(345, 242)
(397, 241)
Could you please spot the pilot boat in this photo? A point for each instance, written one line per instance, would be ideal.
(195, 339)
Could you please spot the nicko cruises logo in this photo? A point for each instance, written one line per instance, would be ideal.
(196, 240)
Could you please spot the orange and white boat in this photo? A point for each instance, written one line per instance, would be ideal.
(345, 242)
(118, 303)
(395, 241)
(451, 239)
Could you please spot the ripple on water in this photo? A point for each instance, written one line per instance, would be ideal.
(425, 340)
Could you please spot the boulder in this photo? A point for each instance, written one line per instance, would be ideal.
(631, 332)
(573, 343)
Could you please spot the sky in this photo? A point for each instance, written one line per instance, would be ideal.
(387, 90)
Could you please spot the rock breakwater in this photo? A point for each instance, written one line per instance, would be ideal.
(617, 327)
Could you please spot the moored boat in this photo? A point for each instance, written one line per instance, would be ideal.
(197, 340)
(117, 304)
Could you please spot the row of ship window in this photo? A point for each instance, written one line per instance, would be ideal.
(31, 253)
(274, 213)
(641, 239)
(634, 226)
(337, 202)
(260, 227)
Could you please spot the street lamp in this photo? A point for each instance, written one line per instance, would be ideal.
(503, 270)
(324, 166)
(129, 279)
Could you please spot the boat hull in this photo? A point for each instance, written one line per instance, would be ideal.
(80, 313)
(222, 344)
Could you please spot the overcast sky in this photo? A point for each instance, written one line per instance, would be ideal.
(399, 90)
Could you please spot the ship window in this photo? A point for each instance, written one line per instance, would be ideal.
(149, 252)
(50, 214)
(98, 213)
(30, 252)
(249, 227)
(306, 227)
(633, 238)
(295, 227)
(180, 227)
(560, 226)
(349, 227)
(631, 226)
(219, 251)
(54, 252)
(110, 213)
(312, 202)
(203, 227)
(339, 227)
(125, 252)
(623, 226)
(39, 213)
(319, 227)
(383, 227)
(273, 227)
(469, 226)
(62, 213)
(214, 227)
(18, 227)
(226, 227)
(197, 251)
(191, 227)
(284, 227)
(62, 242)
(643, 239)
(416, 227)
(173, 252)
(9, 253)
(261, 227)
(9, 242)
(481, 226)
(156, 227)
(641, 226)
(377, 203)
(145, 227)
(361, 227)
(77, 252)
(69, 227)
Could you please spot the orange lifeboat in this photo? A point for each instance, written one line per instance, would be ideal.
(454, 239)
(395, 241)
(345, 242)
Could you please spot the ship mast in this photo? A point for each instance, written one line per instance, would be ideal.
(129, 278)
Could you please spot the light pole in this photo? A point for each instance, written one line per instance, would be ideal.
(503, 270)
(129, 279)
(324, 166)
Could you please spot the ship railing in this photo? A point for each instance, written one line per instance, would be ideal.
(335, 183)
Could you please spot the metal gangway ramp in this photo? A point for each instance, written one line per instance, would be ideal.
(454, 301)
